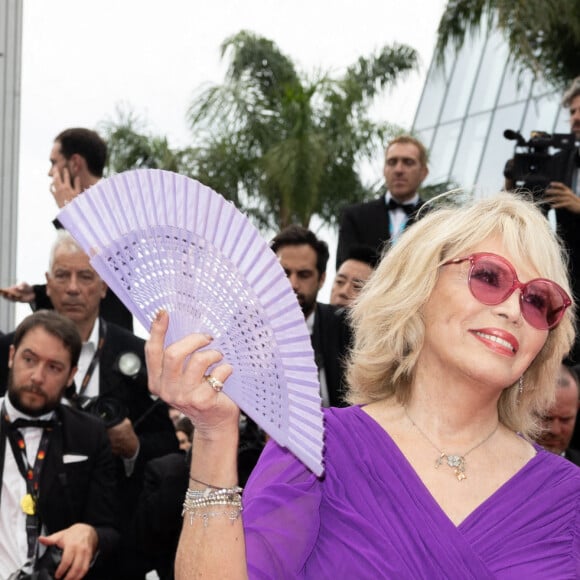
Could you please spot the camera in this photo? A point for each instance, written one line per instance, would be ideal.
(536, 162)
(110, 410)
(43, 568)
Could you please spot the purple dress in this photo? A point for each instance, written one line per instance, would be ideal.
(370, 516)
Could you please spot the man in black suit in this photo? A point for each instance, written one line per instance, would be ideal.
(77, 162)
(112, 378)
(304, 257)
(382, 220)
(565, 199)
(70, 499)
(560, 420)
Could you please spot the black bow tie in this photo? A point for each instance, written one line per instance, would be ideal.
(42, 423)
(408, 208)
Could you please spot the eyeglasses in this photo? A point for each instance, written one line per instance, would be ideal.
(492, 279)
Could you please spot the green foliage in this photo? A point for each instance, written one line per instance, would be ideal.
(131, 148)
(285, 146)
(543, 35)
(281, 146)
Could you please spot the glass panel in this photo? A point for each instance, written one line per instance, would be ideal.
(434, 92)
(562, 122)
(541, 89)
(442, 152)
(516, 86)
(541, 115)
(463, 78)
(470, 147)
(490, 75)
(498, 149)
(425, 136)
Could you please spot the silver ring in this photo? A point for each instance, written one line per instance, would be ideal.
(214, 383)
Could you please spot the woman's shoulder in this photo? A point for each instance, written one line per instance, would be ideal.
(553, 478)
(340, 416)
(340, 422)
(557, 468)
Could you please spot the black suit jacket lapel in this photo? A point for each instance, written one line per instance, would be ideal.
(316, 338)
(384, 221)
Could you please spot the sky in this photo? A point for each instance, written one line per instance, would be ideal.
(82, 60)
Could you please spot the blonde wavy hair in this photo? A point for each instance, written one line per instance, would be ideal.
(387, 317)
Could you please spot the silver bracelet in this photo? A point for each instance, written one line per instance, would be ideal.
(198, 500)
(205, 516)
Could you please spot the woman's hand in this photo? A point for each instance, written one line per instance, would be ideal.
(180, 381)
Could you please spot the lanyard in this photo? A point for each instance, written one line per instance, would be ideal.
(30, 473)
(94, 360)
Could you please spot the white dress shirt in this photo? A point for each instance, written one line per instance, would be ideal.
(87, 352)
(321, 374)
(397, 217)
(13, 538)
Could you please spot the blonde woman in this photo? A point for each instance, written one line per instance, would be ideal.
(431, 472)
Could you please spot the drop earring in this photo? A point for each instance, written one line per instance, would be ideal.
(521, 386)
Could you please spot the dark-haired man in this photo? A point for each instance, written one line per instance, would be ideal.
(566, 200)
(382, 220)
(112, 373)
(304, 257)
(352, 275)
(57, 469)
(77, 161)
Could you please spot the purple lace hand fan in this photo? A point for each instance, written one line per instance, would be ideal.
(163, 241)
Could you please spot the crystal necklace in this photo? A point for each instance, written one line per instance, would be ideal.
(456, 462)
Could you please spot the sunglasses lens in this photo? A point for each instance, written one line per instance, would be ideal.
(491, 282)
(542, 304)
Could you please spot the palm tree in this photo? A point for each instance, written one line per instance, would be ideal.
(543, 35)
(284, 146)
(131, 147)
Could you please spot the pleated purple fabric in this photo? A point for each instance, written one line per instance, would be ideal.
(370, 516)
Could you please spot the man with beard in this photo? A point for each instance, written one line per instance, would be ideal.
(565, 199)
(57, 508)
(304, 257)
(112, 378)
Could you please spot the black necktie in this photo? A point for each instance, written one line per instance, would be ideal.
(408, 208)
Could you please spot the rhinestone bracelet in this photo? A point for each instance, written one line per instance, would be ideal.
(205, 516)
(196, 500)
(211, 492)
(234, 499)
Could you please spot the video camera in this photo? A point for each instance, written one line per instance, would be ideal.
(534, 164)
